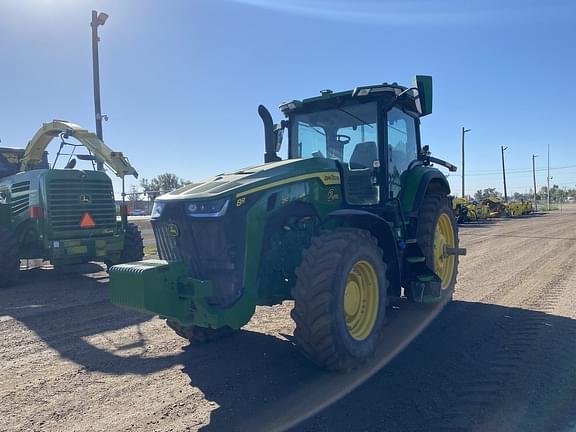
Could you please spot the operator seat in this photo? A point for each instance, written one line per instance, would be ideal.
(364, 155)
(359, 185)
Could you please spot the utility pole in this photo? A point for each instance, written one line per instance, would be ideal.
(464, 130)
(98, 19)
(502, 148)
(534, 178)
(548, 178)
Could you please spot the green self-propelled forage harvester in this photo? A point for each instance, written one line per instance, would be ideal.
(356, 216)
(67, 216)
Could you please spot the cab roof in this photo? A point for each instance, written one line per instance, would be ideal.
(417, 99)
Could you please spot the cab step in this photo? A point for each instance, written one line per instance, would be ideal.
(415, 259)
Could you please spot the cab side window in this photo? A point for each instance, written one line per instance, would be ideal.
(402, 148)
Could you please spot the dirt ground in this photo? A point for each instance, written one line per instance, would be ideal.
(500, 357)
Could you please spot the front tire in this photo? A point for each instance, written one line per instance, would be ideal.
(200, 335)
(340, 299)
(437, 229)
(9, 258)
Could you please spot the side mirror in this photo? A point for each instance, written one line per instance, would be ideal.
(424, 99)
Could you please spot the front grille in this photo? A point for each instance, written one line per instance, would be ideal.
(203, 245)
(165, 243)
(212, 249)
(68, 200)
(20, 197)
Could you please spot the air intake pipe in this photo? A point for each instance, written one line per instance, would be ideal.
(269, 135)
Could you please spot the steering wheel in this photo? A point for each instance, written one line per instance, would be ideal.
(342, 139)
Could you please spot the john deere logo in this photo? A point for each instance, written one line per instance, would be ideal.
(85, 199)
(173, 230)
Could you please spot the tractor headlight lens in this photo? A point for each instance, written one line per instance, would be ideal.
(213, 208)
(157, 209)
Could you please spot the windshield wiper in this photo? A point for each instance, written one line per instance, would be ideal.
(313, 128)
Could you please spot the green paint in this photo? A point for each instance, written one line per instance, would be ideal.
(410, 181)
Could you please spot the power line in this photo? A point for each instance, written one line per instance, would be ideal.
(514, 171)
(530, 170)
(487, 172)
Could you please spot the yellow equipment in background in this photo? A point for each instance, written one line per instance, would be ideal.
(496, 208)
(468, 211)
(520, 208)
(491, 207)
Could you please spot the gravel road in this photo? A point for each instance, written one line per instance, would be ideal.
(500, 357)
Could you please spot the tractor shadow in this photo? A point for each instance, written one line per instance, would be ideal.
(66, 306)
(261, 383)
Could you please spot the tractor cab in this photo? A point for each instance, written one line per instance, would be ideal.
(372, 142)
(373, 134)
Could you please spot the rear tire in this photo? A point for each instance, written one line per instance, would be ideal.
(436, 214)
(200, 335)
(9, 258)
(133, 245)
(340, 299)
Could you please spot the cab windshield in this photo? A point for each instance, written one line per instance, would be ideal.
(344, 134)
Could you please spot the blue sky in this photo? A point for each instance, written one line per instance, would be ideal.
(181, 80)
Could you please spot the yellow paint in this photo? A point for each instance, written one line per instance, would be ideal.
(361, 300)
(76, 250)
(36, 146)
(327, 178)
(444, 264)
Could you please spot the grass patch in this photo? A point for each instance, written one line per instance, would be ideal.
(150, 250)
(553, 207)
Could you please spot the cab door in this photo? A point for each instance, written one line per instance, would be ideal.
(402, 140)
(361, 158)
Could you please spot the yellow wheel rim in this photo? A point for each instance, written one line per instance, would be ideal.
(361, 300)
(444, 237)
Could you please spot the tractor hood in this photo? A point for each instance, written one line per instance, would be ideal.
(258, 177)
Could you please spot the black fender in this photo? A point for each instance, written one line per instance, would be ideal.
(380, 229)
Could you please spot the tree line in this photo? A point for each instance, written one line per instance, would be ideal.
(149, 189)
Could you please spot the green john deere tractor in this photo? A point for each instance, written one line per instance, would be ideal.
(354, 218)
(67, 216)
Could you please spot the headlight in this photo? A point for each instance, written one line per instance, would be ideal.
(212, 208)
(157, 209)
